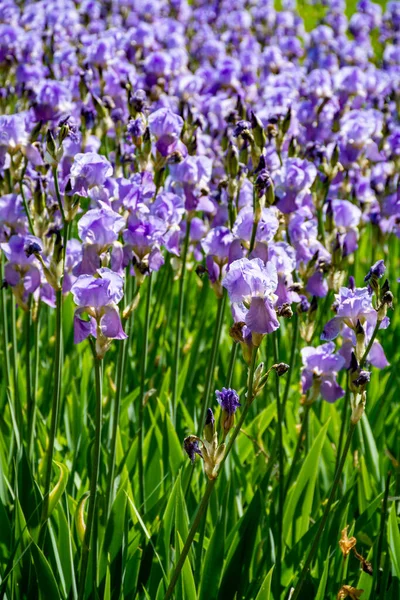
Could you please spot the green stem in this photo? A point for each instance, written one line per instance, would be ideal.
(115, 423)
(382, 533)
(343, 423)
(212, 358)
(28, 372)
(175, 372)
(24, 201)
(93, 480)
(281, 469)
(5, 326)
(55, 408)
(58, 195)
(371, 341)
(296, 456)
(211, 483)
(325, 515)
(142, 494)
(231, 366)
(14, 361)
(32, 423)
(295, 337)
(255, 225)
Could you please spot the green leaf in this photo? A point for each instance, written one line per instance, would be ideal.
(80, 517)
(264, 592)
(189, 587)
(212, 563)
(46, 581)
(305, 483)
(371, 451)
(394, 540)
(59, 488)
(322, 584)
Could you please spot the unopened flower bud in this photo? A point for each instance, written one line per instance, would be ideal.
(209, 426)
(232, 160)
(286, 121)
(258, 131)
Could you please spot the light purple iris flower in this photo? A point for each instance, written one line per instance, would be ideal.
(266, 228)
(89, 170)
(352, 306)
(192, 175)
(166, 127)
(251, 286)
(53, 100)
(22, 272)
(321, 366)
(98, 229)
(376, 356)
(98, 297)
(293, 183)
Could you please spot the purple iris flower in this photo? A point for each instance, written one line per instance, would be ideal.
(13, 135)
(346, 217)
(266, 229)
(144, 234)
(98, 229)
(217, 244)
(251, 286)
(376, 356)
(170, 209)
(321, 366)
(22, 271)
(293, 183)
(53, 100)
(89, 170)
(12, 216)
(98, 297)
(352, 306)
(73, 257)
(228, 399)
(376, 271)
(192, 175)
(166, 127)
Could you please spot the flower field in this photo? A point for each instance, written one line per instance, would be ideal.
(200, 266)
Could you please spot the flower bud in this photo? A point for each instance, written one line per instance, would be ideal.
(232, 160)
(209, 427)
(286, 121)
(258, 131)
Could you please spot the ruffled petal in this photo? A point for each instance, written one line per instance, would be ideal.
(261, 317)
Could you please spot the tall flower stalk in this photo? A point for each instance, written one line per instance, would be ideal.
(55, 406)
(89, 543)
(179, 319)
(211, 483)
(142, 488)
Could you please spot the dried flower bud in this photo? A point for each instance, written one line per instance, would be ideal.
(281, 368)
(236, 331)
(363, 378)
(285, 311)
(347, 591)
(191, 447)
(346, 544)
(201, 270)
